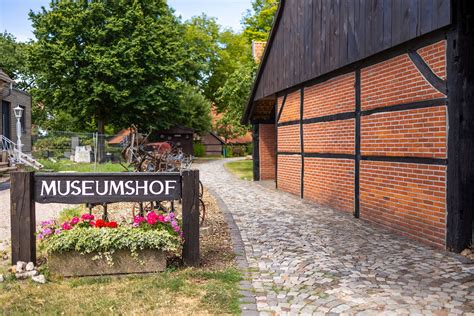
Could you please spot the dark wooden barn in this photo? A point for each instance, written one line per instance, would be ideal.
(179, 136)
(368, 107)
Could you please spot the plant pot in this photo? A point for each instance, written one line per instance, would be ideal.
(75, 264)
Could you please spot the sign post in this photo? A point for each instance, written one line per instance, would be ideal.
(78, 188)
(22, 218)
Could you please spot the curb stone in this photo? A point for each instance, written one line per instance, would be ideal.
(249, 306)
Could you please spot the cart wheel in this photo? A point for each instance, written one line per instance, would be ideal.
(202, 211)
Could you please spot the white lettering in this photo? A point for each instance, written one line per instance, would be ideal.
(143, 187)
(128, 186)
(86, 186)
(168, 186)
(106, 187)
(75, 187)
(115, 187)
(161, 187)
(51, 190)
(68, 188)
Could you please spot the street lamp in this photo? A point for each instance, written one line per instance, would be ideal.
(18, 114)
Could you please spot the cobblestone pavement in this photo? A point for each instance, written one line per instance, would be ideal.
(305, 259)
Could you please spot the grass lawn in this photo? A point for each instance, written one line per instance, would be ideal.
(66, 165)
(242, 169)
(183, 292)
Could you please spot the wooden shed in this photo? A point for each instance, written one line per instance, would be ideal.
(368, 107)
(179, 136)
(213, 143)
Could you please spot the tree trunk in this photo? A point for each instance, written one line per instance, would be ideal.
(100, 141)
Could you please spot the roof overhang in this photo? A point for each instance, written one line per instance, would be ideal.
(252, 104)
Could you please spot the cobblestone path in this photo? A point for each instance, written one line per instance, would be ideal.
(305, 259)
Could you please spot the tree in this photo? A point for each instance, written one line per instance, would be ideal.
(234, 94)
(233, 51)
(258, 21)
(111, 62)
(14, 61)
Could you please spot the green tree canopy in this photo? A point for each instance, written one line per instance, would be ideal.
(113, 62)
(258, 21)
(14, 61)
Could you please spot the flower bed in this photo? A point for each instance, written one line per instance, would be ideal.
(85, 246)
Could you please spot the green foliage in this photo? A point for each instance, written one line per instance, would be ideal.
(258, 21)
(201, 37)
(68, 213)
(56, 145)
(195, 109)
(116, 62)
(234, 93)
(93, 240)
(199, 150)
(14, 61)
(249, 149)
(67, 165)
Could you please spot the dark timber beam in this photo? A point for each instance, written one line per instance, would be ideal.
(460, 182)
(357, 146)
(256, 152)
(425, 70)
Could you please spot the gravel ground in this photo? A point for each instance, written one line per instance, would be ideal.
(43, 212)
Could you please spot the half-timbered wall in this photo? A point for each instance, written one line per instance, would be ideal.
(373, 142)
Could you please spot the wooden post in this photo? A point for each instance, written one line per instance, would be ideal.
(22, 216)
(460, 182)
(190, 193)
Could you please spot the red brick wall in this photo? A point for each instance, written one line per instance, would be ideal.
(412, 133)
(267, 151)
(408, 198)
(336, 95)
(395, 81)
(435, 56)
(289, 173)
(289, 138)
(329, 137)
(330, 182)
(291, 108)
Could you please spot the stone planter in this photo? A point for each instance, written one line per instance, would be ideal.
(74, 264)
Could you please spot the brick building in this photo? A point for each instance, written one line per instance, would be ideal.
(10, 98)
(368, 107)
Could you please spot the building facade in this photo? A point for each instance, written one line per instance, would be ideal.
(368, 107)
(10, 98)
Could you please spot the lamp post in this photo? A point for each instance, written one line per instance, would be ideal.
(18, 114)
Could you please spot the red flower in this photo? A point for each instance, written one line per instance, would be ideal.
(112, 224)
(100, 223)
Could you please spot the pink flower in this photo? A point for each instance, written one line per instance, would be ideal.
(74, 220)
(66, 226)
(151, 218)
(87, 217)
(138, 219)
(161, 218)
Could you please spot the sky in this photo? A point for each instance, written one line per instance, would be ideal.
(14, 13)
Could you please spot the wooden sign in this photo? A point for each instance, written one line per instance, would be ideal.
(77, 188)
